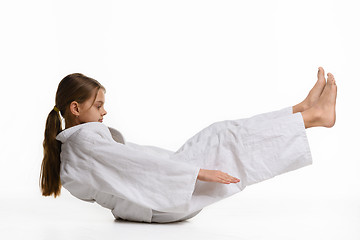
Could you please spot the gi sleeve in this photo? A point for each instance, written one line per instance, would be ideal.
(146, 178)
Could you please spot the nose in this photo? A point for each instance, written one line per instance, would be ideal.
(104, 113)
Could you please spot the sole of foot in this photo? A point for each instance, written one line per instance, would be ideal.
(324, 109)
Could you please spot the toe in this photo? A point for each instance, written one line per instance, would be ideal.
(330, 79)
(321, 74)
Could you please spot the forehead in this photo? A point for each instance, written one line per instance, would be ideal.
(100, 95)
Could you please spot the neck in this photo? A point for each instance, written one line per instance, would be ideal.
(70, 123)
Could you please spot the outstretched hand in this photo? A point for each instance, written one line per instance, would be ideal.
(216, 176)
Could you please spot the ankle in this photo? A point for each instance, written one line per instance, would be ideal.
(300, 107)
(313, 117)
(305, 105)
(307, 119)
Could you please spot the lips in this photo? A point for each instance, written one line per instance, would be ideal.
(100, 120)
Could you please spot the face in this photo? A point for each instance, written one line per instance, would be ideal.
(89, 112)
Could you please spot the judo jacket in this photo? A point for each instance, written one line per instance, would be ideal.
(150, 184)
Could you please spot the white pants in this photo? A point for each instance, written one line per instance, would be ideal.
(252, 149)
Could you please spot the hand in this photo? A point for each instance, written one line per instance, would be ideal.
(216, 176)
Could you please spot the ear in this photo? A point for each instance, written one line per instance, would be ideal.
(74, 108)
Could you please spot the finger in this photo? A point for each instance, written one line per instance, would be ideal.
(225, 182)
(231, 178)
(222, 179)
(234, 179)
(226, 178)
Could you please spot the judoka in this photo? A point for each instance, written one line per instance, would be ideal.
(150, 184)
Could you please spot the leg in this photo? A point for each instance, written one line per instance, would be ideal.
(314, 93)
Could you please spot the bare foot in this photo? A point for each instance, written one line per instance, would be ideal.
(322, 113)
(314, 93)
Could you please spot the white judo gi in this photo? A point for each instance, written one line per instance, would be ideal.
(151, 184)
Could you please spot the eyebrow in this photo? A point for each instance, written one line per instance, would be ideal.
(100, 102)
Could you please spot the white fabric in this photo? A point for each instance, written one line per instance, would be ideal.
(151, 184)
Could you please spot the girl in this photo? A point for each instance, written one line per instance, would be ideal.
(150, 184)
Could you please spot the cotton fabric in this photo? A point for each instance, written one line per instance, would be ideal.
(151, 184)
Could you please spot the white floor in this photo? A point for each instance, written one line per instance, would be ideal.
(243, 216)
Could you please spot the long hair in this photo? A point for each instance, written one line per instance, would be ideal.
(74, 87)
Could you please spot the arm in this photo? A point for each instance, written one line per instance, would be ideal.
(204, 174)
(216, 176)
(146, 178)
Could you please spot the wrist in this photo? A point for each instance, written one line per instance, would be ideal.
(200, 174)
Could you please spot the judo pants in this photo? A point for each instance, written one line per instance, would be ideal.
(252, 149)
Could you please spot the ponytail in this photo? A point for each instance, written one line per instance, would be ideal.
(74, 87)
(50, 168)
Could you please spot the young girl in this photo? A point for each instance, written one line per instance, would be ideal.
(150, 184)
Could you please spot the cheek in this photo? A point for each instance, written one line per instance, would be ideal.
(97, 113)
(91, 115)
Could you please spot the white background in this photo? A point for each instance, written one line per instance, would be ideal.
(172, 68)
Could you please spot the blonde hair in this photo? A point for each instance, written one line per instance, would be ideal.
(74, 87)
